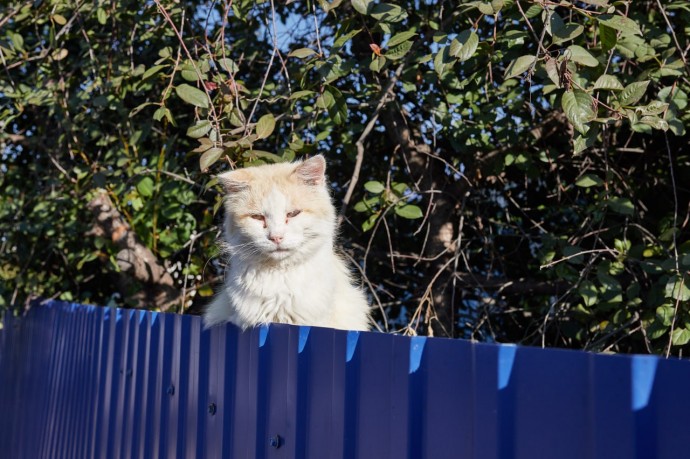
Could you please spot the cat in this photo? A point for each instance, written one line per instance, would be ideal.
(279, 230)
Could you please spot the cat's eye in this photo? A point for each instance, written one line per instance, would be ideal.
(258, 217)
(294, 213)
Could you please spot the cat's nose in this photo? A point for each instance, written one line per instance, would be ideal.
(275, 239)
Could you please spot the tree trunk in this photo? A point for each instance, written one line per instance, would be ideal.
(136, 261)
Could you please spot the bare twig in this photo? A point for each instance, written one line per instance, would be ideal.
(613, 252)
(212, 109)
(673, 33)
(268, 69)
(675, 243)
(360, 141)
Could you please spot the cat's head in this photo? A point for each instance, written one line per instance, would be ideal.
(278, 212)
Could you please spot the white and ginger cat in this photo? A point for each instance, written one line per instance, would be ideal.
(280, 231)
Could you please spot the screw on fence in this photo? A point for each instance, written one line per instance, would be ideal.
(211, 409)
(275, 441)
(171, 390)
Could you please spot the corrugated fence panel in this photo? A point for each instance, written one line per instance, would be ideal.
(86, 382)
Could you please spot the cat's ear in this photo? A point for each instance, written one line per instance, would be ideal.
(312, 171)
(234, 181)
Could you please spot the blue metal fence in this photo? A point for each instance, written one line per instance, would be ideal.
(80, 381)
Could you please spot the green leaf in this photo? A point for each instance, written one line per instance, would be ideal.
(400, 38)
(588, 180)
(653, 108)
(338, 110)
(609, 82)
(192, 95)
(369, 222)
(519, 66)
(678, 97)
(228, 65)
(265, 126)
(199, 129)
(656, 330)
(680, 336)
(588, 292)
(374, 187)
(582, 56)
(633, 93)
(325, 100)
(560, 31)
(623, 206)
(582, 142)
(272, 157)
(625, 26)
(362, 6)
(387, 12)
(145, 187)
(608, 37)
(209, 157)
(577, 106)
(485, 8)
(443, 61)
(152, 71)
(497, 5)
(366, 205)
(377, 63)
(101, 15)
(399, 51)
(464, 46)
(301, 94)
(677, 288)
(342, 39)
(665, 314)
(59, 19)
(655, 122)
(161, 112)
(301, 53)
(188, 73)
(409, 211)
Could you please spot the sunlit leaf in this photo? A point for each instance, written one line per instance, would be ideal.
(145, 187)
(582, 56)
(620, 23)
(301, 53)
(409, 211)
(519, 66)
(209, 158)
(680, 336)
(400, 38)
(374, 187)
(608, 82)
(577, 106)
(199, 129)
(464, 46)
(265, 126)
(633, 93)
(588, 180)
(362, 6)
(192, 95)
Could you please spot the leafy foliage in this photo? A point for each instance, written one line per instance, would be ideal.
(506, 170)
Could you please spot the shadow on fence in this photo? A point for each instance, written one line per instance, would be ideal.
(82, 381)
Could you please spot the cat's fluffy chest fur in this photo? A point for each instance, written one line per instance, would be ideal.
(279, 230)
